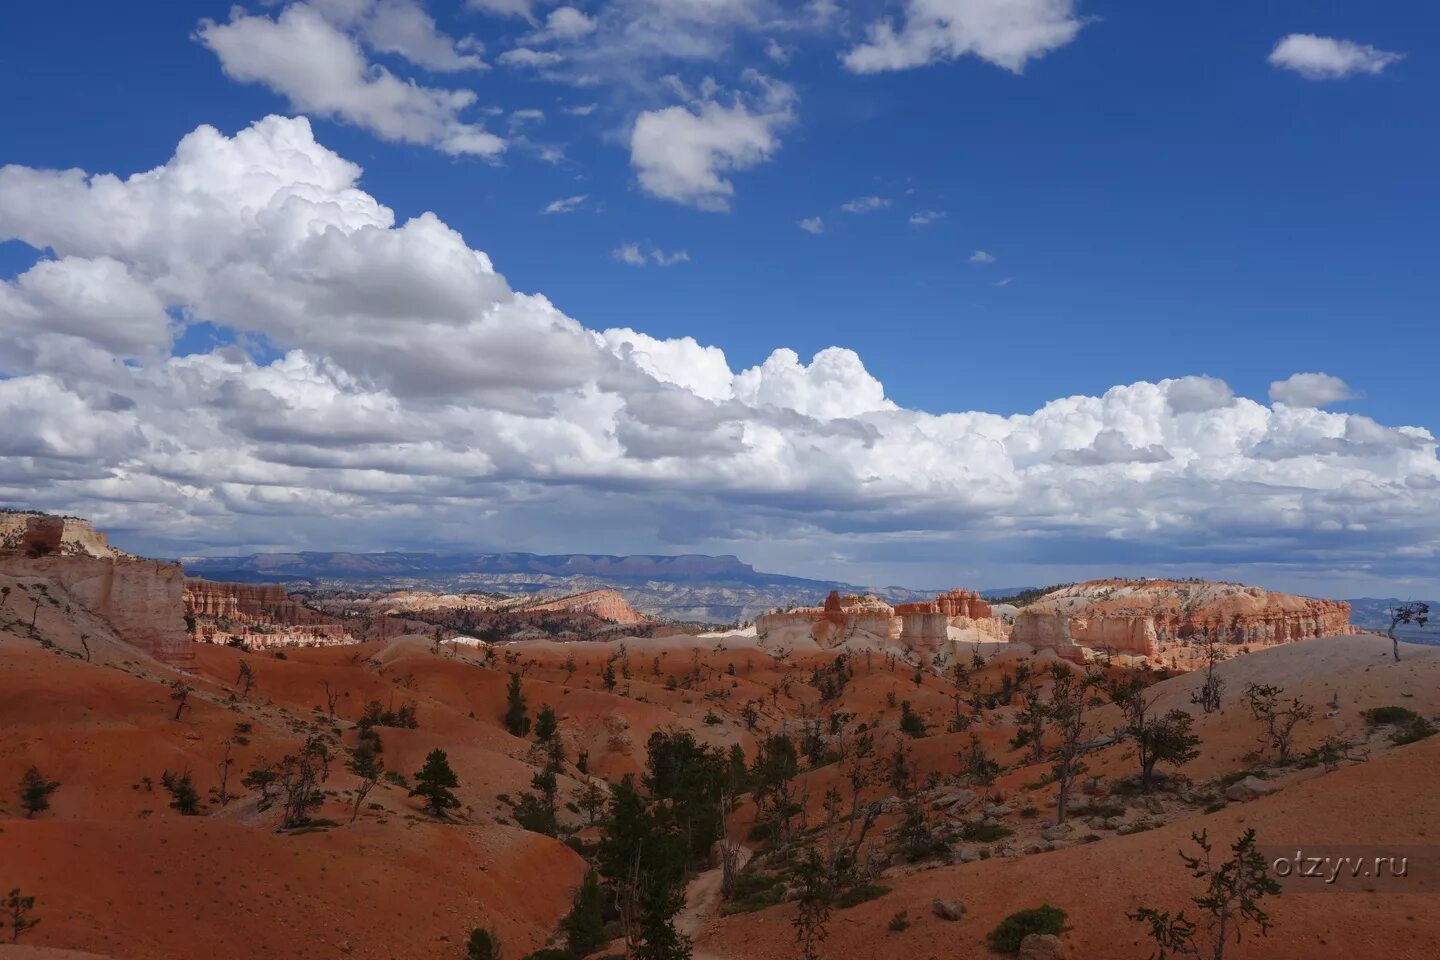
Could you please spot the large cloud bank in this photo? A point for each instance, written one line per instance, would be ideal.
(377, 380)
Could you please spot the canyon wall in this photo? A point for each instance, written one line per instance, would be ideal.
(1163, 619)
(140, 599)
(258, 615)
(922, 627)
(43, 534)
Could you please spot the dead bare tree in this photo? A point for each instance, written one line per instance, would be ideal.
(222, 793)
(332, 696)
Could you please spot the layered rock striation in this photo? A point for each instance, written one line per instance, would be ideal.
(42, 534)
(140, 599)
(257, 615)
(1166, 619)
(923, 627)
(604, 604)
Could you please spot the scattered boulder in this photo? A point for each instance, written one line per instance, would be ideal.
(1248, 789)
(955, 801)
(948, 909)
(1043, 946)
(997, 810)
(966, 855)
(1056, 831)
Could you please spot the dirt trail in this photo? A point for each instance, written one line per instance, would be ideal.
(702, 904)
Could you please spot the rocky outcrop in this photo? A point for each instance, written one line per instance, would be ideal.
(243, 602)
(923, 627)
(605, 604)
(257, 615)
(1164, 619)
(140, 599)
(42, 534)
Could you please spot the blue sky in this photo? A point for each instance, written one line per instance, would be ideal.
(1161, 199)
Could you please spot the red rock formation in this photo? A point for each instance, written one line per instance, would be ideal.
(1159, 618)
(247, 603)
(921, 626)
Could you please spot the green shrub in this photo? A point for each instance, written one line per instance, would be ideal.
(984, 832)
(1235, 776)
(1006, 937)
(753, 891)
(1030, 813)
(1379, 716)
(860, 893)
(901, 921)
(1416, 730)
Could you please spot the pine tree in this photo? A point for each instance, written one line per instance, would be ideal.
(17, 909)
(482, 945)
(184, 798)
(545, 724)
(35, 792)
(434, 781)
(517, 720)
(584, 925)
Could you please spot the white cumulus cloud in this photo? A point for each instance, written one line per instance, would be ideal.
(322, 70)
(1309, 390)
(1327, 58)
(1007, 33)
(378, 383)
(685, 153)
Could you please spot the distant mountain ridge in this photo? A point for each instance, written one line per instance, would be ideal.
(1372, 613)
(711, 589)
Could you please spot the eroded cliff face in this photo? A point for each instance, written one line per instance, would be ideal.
(922, 627)
(42, 534)
(605, 604)
(1165, 619)
(258, 615)
(140, 599)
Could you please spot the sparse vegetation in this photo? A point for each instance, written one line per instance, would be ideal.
(517, 718)
(1043, 919)
(435, 782)
(1279, 718)
(17, 910)
(483, 944)
(184, 798)
(35, 792)
(1231, 899)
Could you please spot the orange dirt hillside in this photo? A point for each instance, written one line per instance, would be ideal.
(119, 870)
